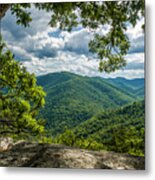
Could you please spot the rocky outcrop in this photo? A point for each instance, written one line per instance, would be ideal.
(5, 144)
(25, 154)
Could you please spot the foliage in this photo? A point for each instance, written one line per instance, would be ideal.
(68, 138)
(120, 130)
(110, 48)
(20, 98)
(128, 139)
(72, 99)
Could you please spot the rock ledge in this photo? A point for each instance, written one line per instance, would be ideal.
(26, 154)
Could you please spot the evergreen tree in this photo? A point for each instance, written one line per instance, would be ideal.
(20, 98)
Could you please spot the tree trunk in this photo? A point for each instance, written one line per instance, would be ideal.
(3, 9)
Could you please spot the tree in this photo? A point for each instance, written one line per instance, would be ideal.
(20, 98)
(128, 140)
(110, 48)
(68, 138)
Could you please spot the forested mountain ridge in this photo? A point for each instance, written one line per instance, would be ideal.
(72, 99)
(120, 130)
(132, 114)
(135, 87)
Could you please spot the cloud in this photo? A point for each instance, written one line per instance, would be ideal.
(17, 32)
(39, 23)
(42, 45)
(20, 52)
(137, 31)
(43, 49)
(135, 57)
(134, 66)
(129, 74)
(136, 37)
(33, 41)
(77, 41)
(80, 64)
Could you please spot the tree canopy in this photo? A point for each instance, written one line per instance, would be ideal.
(110, 48)
(121, 130)
(20, 98)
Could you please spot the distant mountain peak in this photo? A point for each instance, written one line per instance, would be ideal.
(72, 99)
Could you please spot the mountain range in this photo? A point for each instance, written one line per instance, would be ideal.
(121, 130)
(72, 99)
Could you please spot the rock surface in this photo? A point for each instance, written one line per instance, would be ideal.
(5, 144)
(25, 154)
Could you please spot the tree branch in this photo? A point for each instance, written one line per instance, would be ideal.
(3, 9)
(8, 132)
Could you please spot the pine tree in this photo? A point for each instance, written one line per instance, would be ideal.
(20, 98)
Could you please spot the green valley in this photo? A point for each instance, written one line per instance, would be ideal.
(121, 130)
(72, 99)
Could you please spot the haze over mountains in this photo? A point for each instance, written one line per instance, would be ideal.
(72, 99)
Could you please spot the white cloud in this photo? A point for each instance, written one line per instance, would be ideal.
(20, 52)
(135, 57)
(80, 64)
(137, 31)
(129, 74)
(42, 52)
(136, 37)
(78, 41)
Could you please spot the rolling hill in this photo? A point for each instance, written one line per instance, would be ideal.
(72, 99)
(120, 130)
(135, 87)
(101, 124)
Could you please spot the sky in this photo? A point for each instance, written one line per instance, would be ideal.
(43, 49)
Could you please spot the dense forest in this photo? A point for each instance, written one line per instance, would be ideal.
(71, 99)
(121, 130)
(86, 112)
(94, 113)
